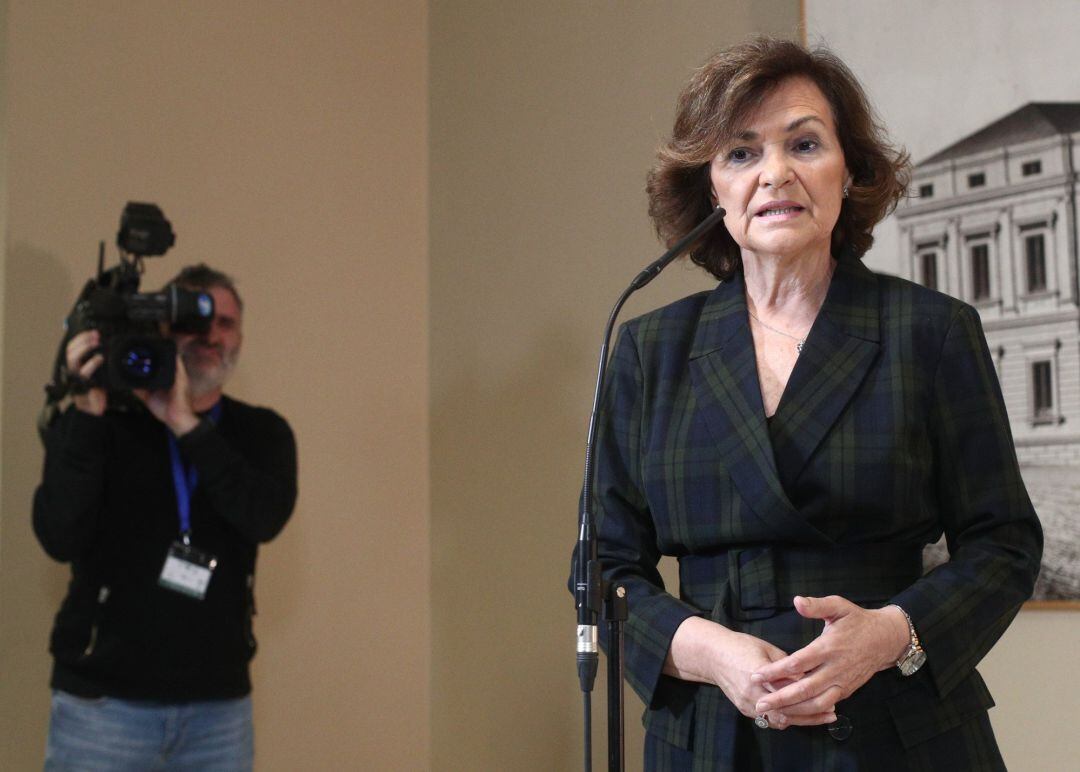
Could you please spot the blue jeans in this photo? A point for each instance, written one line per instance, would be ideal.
(95, 735)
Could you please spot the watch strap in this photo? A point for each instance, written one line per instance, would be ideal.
(914, 656)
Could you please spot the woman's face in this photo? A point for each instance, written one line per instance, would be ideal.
(781, 179)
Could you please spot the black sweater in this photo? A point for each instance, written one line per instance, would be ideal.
(107, 505)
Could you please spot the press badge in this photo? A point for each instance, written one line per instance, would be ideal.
(187, 570)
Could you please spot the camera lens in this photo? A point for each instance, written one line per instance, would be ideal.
(139, 363)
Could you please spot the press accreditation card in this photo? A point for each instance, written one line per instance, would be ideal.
(187, 570)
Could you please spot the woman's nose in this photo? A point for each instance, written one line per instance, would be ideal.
(775, 171)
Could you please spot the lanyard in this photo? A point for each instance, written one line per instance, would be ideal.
(185, 479)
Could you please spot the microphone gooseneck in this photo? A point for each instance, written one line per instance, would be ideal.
(588, 589)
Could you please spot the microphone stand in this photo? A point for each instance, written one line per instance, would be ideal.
(591, 596)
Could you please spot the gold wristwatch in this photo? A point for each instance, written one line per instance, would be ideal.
(913, 657)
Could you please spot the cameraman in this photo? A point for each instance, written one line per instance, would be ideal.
(159, 510)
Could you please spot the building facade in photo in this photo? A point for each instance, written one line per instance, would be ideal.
(992, 220)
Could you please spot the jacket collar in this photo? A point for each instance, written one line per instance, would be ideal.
(835, 359)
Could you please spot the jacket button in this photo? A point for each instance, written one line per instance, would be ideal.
(840, 729)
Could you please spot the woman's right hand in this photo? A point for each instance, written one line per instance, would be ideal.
(81, 363)
(707, 652)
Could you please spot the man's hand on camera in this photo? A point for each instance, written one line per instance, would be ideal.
(82, 362)
(173, 406)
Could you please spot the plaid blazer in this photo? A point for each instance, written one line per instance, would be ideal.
(891, 431)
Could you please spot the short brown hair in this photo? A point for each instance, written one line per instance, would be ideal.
(730, 86)
(203, 277)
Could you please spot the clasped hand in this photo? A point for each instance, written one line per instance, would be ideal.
(804, 687)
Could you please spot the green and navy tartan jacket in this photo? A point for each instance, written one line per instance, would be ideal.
(891, 431)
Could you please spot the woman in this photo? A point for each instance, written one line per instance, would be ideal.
(795, 437)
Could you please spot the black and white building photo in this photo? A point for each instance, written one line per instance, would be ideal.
(992, 220)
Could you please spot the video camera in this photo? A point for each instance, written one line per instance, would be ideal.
(137, 353)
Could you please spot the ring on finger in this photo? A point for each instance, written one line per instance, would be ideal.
(762, 721)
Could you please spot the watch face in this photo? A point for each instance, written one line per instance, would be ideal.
(912, 661)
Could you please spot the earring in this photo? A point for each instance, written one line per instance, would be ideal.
(845, 191)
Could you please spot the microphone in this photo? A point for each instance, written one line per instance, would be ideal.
(588, 592)
(653, 269)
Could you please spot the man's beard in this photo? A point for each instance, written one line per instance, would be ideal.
(206, 375)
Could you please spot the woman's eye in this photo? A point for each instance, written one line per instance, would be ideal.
(806, 145)
(739, 154)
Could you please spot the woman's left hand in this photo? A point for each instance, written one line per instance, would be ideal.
(855, 644)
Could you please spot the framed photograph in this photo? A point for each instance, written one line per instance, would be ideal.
(975, 91)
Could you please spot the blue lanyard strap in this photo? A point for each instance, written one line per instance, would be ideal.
(186, 478)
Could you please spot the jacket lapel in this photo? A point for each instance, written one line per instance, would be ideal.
(724, 376)
(838, 353)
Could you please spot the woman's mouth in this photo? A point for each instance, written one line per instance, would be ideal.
(778, 209)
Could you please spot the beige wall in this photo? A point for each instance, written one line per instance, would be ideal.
(287, 144)
(1031, 674)
(544, 122)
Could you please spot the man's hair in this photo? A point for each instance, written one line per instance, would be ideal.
(203, 277)
(711, 110)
